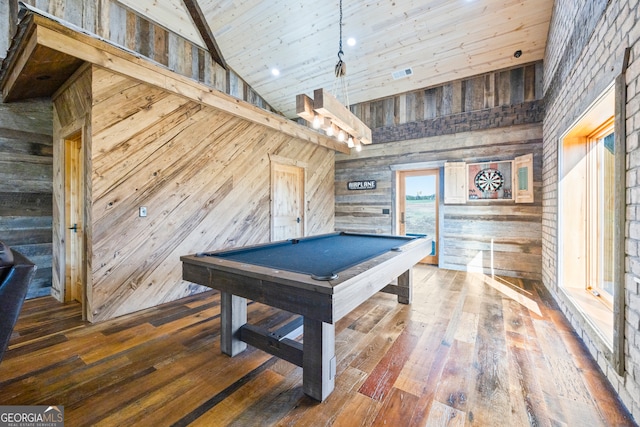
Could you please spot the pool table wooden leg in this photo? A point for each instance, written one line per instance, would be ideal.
(405, 280)
(233, 314)
(318, 359)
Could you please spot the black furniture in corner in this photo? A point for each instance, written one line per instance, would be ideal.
(16, 272)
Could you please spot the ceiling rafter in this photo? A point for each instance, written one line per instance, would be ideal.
(200, 22)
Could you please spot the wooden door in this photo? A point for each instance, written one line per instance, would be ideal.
(287, 201)
(73, 219)
(417, 207)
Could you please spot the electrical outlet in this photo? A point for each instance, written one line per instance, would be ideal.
(143, 211)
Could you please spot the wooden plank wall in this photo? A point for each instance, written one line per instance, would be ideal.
(493, 116)
(137, 33)
(467, 232)
(204, 177)
(500, 88)
(111, 20)
(26, 128)
(25, 185)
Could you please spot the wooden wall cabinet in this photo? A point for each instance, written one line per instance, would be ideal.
(523, 171)
(455, 179)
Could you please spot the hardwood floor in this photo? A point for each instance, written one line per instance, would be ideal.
(470, 350)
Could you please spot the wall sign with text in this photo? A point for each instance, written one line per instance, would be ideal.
(369, 184)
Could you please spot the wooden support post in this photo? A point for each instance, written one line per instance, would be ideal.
(396, 290)
(405, 280)
(318, 359)
(233, 314)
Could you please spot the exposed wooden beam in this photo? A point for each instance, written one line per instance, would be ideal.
(328, 106)
(205, 31)
(304, 107)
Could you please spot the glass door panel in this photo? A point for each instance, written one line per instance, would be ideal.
(418, 206)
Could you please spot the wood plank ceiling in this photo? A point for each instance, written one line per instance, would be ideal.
(441, 40)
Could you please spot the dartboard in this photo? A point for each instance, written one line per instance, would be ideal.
(489, 180)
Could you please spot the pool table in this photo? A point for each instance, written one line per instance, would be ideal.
(322, 278)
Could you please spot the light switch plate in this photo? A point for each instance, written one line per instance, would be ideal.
(143, 211)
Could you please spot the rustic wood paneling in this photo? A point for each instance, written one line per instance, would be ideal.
(130, 31)
(530, 82)
(25, 185)
(203, 176)
(504, 233)
(506, 87)
(137, 33)
(160, 45)
(26, 128)
(517, 85)
(463, 133)
(474, 96)
(117, 25)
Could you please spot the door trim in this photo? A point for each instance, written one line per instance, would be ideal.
(76, 130)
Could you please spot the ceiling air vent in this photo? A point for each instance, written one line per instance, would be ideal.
(401, 74)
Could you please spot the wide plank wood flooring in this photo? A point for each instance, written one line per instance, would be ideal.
(470, 350)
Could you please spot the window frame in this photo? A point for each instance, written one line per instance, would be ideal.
(612, 351)
(593, 139)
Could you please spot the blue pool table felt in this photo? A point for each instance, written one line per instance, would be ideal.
(322, 257)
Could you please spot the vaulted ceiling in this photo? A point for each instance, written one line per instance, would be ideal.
(440, 40)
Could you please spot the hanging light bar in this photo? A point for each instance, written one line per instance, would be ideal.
(325, 108)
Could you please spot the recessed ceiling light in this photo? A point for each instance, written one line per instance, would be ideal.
(275, 72)
(351, 41)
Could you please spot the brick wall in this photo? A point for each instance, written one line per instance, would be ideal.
(584, 55)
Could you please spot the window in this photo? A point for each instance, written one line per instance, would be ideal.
(587, 216)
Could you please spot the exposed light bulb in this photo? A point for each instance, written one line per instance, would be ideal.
(351, 41)
(350, 142)
(341, 136)
(275, 72)
(358, 148)
(330, 131)
(316, 122)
